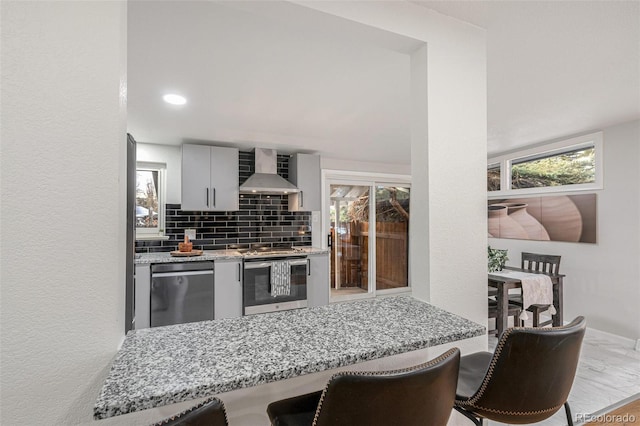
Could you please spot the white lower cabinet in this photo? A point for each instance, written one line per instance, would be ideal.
(318, 280)
(142, 290)
(227, 297)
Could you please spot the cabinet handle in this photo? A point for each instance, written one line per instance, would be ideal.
(207, 189)
(308, 267)
(329, 241)
(301, 199)
(238, 275)
(214, 197)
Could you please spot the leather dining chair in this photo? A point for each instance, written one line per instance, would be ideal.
(210, 412)
(526, 380)
(420, 395)
(547, 263)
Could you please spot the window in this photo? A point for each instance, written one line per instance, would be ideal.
(567, 168)
(149, 199)
(493, 177)
(569, 165)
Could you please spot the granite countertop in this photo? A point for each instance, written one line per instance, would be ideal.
(144, 258)
(165, 365)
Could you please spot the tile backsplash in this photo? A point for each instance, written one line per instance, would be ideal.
(261, 219)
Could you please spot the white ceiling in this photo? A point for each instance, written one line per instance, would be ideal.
(555, 68)
(304, 81)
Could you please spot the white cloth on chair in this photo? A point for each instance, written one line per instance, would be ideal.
(537, 289)
(280, 278)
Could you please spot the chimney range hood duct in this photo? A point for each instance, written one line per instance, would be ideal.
(266, 179)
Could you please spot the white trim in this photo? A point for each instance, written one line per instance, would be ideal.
(621, 340)
(393, 291)
(350, 297)
(151, 237)
(366, 176)
(156, 233)
(505, 161)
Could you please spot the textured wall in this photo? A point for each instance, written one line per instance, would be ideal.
(63, 147)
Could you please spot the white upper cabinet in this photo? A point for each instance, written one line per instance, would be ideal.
(209, 178)
(304, 172)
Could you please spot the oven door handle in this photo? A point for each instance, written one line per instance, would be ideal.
(180, 274)
(257, 265)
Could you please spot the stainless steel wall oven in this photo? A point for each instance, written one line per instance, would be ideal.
(269, 287)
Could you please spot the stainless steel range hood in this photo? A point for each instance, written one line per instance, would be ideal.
(266, 179)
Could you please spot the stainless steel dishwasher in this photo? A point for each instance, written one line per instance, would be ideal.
(181, 292)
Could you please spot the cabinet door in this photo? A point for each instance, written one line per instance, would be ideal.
(142, 283)
(318, 280)
(196, 177)
(228, 289)
(304, 172)
(224, 179)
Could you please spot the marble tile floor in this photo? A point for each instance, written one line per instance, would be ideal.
(609, 372)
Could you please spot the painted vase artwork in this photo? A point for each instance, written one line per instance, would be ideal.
(570, 218)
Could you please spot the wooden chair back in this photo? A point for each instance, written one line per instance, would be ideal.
(547, 263)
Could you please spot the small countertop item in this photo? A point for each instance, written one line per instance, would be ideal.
(186, 253)
(165, 365)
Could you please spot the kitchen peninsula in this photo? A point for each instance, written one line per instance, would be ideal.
(166, 365)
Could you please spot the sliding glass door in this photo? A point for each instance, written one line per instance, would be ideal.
(392, 237)
(349, 211)
(369, 237)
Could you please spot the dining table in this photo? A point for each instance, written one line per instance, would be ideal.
(504, 283)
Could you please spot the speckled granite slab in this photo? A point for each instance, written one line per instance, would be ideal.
(147, 258)
(165, 365)
(143, 258)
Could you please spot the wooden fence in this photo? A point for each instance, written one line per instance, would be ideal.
(392, 255)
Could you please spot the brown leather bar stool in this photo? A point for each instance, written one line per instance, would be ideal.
(526, 380)
(210, 412)
(420, 395)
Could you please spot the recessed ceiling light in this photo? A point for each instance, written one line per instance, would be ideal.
(174, 99)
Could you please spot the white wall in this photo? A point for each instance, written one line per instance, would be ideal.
(364, 166)
(603, 280)
(171, 156)
(63, 206)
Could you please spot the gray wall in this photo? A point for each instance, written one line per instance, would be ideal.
(603, 279)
